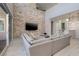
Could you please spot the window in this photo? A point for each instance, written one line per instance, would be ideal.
(51, 27)
(1, 25)
(63, 26)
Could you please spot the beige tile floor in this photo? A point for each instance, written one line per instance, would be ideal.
(16, 49)
(71, 50)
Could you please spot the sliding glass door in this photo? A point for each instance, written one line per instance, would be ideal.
(3, 25)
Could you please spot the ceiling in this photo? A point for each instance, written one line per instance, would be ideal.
(45, 6)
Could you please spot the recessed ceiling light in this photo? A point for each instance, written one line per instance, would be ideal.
(67, 19)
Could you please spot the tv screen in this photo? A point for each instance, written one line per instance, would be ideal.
(31, 26)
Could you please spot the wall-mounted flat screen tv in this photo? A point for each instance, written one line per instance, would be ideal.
(31, 26)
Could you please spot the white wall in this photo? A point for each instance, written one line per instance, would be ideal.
(58, 10)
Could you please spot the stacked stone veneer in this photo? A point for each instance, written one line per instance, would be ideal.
(23, 13)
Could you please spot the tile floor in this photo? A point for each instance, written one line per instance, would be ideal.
(71, 50)
(16, 49)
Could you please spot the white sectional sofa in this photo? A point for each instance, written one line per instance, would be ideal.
(44, 46)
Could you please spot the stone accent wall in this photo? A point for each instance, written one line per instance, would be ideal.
(74, 24)
(27, 12)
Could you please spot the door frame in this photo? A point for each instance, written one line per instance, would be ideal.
(9, 20)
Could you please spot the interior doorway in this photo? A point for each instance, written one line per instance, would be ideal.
(5, 27)
(3, 30)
